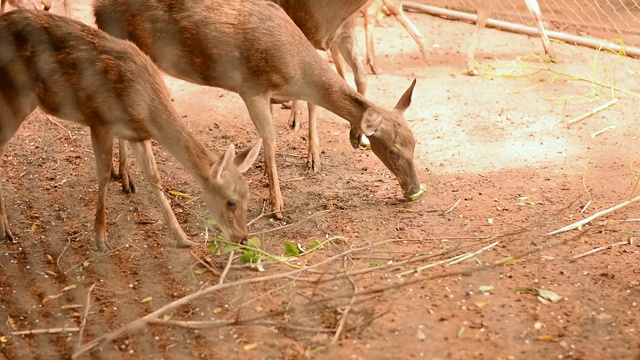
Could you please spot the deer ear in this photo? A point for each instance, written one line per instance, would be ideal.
(405, 100)
(222, 164)
(371, 122)
(245, 159)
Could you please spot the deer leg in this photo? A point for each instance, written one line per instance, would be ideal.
(296, 115)
(102, 142)
(395, 7)
(128, 186)
(484, 10)
(313, 157)
(11, 117)
(534, 9)
(259, 111)
(368, 34)
(347, 46)
(144, 154)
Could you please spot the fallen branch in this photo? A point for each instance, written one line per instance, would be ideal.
(596, 250)
(579, 224)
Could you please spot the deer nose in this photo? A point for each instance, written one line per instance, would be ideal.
(243, 240)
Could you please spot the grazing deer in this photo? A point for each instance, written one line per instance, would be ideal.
(484, 11)
(253, 48)
(330, 25)
(79, 73)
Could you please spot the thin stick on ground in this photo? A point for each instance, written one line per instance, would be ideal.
(343, 318)
(579, 224)
(85, 315)
(43, 331)
(473, 253)
(596, 250)
(226, 268)
(203, 263)
(453, 207)
(292, 224)
(592, 112)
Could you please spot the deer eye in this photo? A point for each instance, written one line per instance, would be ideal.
(231, 203)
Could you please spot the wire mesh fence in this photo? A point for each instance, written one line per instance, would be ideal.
(614, 20)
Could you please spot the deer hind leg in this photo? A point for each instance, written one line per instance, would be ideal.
(484, 10)
(102, 142)
(144, 154)
(395, 7)
(369, 18)
(296, 115)
(534, 9)
(313, 157)
(14, 109)
(346, 45)
(260, 112)
(128, 187)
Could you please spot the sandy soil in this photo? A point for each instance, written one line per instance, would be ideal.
(503, 169)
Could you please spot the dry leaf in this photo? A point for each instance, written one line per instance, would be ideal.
(3, 339)
(249, 347)
(547, 338)
(50, 297)
(67, 288)
(178, 193)
(146, 300)
(421, 335)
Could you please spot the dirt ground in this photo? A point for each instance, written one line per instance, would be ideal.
(503, 169)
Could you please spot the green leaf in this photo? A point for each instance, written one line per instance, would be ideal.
(314, 245)
(249, 257)
(213, 248)
(460, 332)
(291, 249)
(229, 248)
(485, 288)
(200, 271)
(254, 242)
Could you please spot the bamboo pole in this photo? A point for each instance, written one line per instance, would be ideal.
(522, 29)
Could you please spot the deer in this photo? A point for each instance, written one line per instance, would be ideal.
(78, 73)
(254, 49)
(330, 25)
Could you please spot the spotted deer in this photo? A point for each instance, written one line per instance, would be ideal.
(254, 49)
(78, 73)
